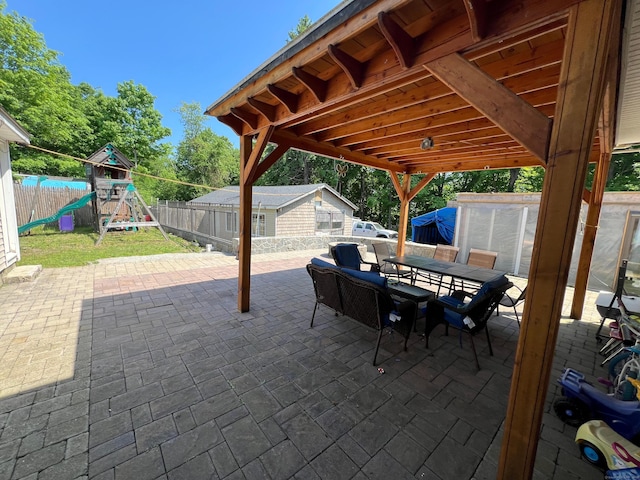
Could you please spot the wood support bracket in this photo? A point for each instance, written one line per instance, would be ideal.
(266, 110)
(421, 184)
(353, 68)
(401, 42)
(249, 172)
(315, 85)
(248, 118)
(266, 163)
(477, 13)
(586, 196)
(288, 99)
(233, 122)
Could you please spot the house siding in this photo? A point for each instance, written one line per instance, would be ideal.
(3, 256)
(297, 219)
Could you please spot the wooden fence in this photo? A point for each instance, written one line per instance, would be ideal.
(47, 202)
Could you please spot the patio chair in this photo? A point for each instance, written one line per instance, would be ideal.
(347, 255)
(467, 316)
(512, 301)
(446, 253)
(381, 249)
(478, 258)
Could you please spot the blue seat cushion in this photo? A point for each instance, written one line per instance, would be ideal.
(373, 277)
(322, 263)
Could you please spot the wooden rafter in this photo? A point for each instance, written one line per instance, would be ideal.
(478, 16)
(288, 99)
(265, 109)
(351, 67)
(400, 41)
(249, 118)
(316, 86)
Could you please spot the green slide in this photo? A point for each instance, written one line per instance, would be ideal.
(81, 202)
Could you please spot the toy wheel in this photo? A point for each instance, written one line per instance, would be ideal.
(571, 411)
(593, 455)
(616, 364)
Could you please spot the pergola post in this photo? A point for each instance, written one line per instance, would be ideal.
(589, 235)
(244, 245)
(579, 97)
(403, 193)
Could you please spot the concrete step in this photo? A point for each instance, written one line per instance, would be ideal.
(26, 273)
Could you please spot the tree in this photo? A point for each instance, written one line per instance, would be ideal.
(203, 157)
(36, 90)
(303, 25)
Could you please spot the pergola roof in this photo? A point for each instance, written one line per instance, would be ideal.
(428, 86)
(372, 80)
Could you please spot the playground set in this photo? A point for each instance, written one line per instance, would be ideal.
(117, 205)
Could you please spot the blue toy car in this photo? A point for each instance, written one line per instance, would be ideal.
(583, 402)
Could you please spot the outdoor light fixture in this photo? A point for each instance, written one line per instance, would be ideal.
(427, 143)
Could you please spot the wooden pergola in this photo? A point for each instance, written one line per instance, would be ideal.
(419, 87)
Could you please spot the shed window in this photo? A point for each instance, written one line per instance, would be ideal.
(329, 222)
(231, 222)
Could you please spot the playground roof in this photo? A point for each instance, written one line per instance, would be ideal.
(110, 155)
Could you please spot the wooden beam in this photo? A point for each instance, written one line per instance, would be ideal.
(266, 110)
(606, 144)
(579, 98)
(288, 99)
(232, 121)
(353, 69)
(515, 116)
(315, 85)
(586, 195)
(421, 184)
(326, 149)
(251, 166)
(478, 15)
(401, 42)
(244, 245)
(249, 118)
(268, 161)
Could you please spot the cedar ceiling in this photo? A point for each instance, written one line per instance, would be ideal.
(359, 85)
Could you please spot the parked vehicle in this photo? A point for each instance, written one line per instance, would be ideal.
(371, 229)
(604, 448)
(583, 402)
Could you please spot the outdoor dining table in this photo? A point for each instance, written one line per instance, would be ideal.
(445, 269)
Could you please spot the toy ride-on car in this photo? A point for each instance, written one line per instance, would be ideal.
(583, 402)
(604, 448)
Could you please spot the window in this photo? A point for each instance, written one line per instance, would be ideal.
(231, 222)
(258, 225)
(329, 222)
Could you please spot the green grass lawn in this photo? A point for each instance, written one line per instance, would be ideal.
(50, 247)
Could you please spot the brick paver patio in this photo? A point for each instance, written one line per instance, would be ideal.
(143, 368)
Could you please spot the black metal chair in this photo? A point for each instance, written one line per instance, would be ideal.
(381, 249)
(467, 316)
(512, 301)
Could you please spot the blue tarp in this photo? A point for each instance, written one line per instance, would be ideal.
(32, 181)
(434, 227)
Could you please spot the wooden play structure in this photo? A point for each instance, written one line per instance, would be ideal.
(117, 204)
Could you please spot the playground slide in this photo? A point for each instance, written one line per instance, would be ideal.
(81, 202)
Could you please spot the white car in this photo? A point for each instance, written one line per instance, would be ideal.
(372, 229)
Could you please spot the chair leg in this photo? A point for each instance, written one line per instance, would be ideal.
(486, 327)
(377, 346)
(475, 354)
(314, 314)
(517, 317)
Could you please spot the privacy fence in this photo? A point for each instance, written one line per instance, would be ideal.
(33, 203)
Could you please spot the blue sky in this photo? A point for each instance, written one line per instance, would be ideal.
(185, 50)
